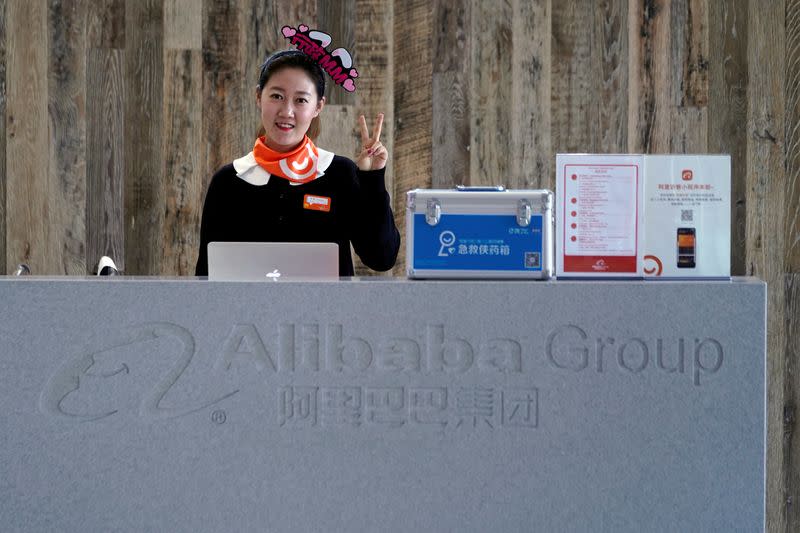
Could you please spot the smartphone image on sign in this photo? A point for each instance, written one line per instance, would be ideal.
(687, 245)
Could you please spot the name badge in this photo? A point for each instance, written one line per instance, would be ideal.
(316, 203)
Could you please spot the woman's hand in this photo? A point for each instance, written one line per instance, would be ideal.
(373, 154)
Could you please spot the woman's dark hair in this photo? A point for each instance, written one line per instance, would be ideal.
(292, 59)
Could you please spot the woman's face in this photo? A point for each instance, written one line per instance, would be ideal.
(288, 102)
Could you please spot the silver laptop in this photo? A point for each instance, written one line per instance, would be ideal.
(272, 261)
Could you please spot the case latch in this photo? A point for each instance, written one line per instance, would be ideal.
(411, 200)
(523, 212)
(433, 212)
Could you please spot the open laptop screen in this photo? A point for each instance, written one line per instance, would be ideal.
(272, 261)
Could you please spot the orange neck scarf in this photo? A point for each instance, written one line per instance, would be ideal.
(297, 166)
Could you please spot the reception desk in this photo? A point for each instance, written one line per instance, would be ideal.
(146, 404)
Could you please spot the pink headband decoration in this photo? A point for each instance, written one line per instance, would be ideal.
(338, 63)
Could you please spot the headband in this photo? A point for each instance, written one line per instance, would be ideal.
(338, 64)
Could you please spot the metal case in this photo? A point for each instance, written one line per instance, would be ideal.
(479, 232)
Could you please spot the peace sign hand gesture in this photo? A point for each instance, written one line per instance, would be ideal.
(373, 155)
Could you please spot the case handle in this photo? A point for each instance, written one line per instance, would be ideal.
(480, 188)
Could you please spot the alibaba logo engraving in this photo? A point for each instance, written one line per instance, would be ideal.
(75, 389)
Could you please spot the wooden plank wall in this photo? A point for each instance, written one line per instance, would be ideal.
(3, 136)
(116, 113)
(105, 133)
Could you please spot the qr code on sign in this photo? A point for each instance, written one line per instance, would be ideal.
(687, 215)
(531, 259)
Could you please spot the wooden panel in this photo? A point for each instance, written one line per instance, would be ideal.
(727, 110)
(106, 24)
(183, 133)
(67, 146)
(691, 51)
(792, 230)
(766, 183)
(183, 25)
(105, 221)
(105, 133)
(531, 154)
(223, 103)
(144, 185)
(689, 91)
(590, 76)
(3, 175)
(374, 85)
(412, 105)
(574, 114)
(791, 400)
(452, 69)
(183, 98)
(261, 25)
(791, 389)
(649, 102)
(490, 93)
(339, 135)
(610, 54)
(260, 36)
(337, 18)
(689, 130)
(338, 130)
(27, 191)
(261, 29)
(262, 21)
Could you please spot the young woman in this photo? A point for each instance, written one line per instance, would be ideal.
(288, 190)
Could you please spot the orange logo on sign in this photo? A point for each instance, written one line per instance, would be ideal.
(655, 270)
(316, 203)
(686, 175)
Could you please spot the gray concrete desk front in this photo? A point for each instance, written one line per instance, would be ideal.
(381, 405)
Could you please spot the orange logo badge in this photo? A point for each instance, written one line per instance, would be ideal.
(686, 175)
(657, 267)
(316, 203)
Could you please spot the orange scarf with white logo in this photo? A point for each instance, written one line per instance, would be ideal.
(297, 166)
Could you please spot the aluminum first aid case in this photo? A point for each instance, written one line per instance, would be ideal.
(479, 232)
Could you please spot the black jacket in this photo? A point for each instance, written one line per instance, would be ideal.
(360, 212)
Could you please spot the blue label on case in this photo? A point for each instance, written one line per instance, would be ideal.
(477, 242)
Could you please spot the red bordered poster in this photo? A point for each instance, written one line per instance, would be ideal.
(599, 202)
